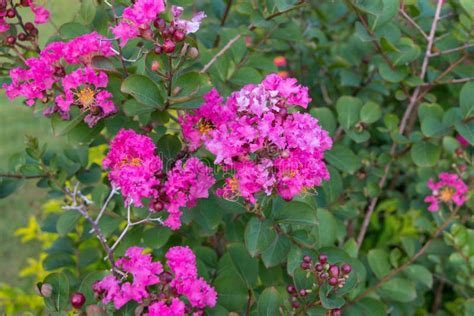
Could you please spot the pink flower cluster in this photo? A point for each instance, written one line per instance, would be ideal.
(253, 135)
(185, 184)
(449, 189)
(41, 15)
(137, 19)
(137, 171)
(83, 87)
(182, 280)
(134, 166)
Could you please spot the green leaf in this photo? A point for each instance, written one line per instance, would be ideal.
(8, 186)
(400, 290)
(466, 130)
(389, 74)
(348, 109)
(62, 127)
(420, 274)
(87, 283)
(230, 286)
(59, 299)
(327, 228)
(87, 11)
(425, 154)
(72, 30)
(156, 238)
(367, 307)
(245, 265)
(333, 187)
(67, 221)
(466, 100)
(329, 301)
(57, 260)
(277, 251)
(168, 147)
(343, 158)
(295, 212)
(144, 90)
(132, 107)
(269, 302)
(378, 262)
(468, 5)
(326, 118)
(258, 235)
(246, 75)
(370, 113)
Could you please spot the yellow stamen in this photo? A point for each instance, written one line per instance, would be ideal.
(234, 184)
(86, 97)
(135, 162)
(205, 127)
(446, 194)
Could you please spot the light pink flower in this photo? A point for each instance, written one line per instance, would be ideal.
(188, 26)
(449, 189)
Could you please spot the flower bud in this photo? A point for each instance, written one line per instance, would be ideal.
(46, 290)
(319, 267)
(332, 281)
(11, 40)
(22, 37)
(334, 270)
(307, 259)
(77, 300)
(336, 312)
(303, 292)
(295, 305)
(155, 65)
(290, 289)
(169, 46)
(346, 268)
(159, 24)
(323, 258)
(179, 35)
(304, 265)
(11, 13)
(158, 49)
(29, 26)
(193, 53)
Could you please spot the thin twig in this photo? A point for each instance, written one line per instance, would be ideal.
(223, 19)
(452, 50)
(220, 53)
(412, 22)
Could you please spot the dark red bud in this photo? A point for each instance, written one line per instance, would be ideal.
(332, 281)
(304, 265)
(160, 24)
(179, 36)
(319, 267)
(303, 292)
(22, 37)
(169, 46)
(77, 300)
(307, 259)
(25, 3)
(11, 13)
(336, 312)
(29, 26)
(158, 49)
(323, 258)
(157, 206)
(290, 289)
(295, 305)
(334, 270)
(346, 268)
(34, 32)
(11, 40)
(324, 275)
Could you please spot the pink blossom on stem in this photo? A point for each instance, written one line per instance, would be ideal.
(181, 281)
(449, 189)
(188, 26)
(134, 166)
(136, 19)
(41, 14)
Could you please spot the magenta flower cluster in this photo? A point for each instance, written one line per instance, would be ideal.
(255, 137)
(136, 19)
(138, 172)
(158, 290)
(449, 189)
(83, 87)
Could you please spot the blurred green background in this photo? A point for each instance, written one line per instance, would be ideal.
(17, 121)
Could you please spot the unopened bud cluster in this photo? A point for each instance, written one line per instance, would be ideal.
(335, 275)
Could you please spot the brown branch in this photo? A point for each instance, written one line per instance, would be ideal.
(249, 303)
(452, 50)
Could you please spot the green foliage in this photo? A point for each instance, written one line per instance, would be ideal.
(392, 105)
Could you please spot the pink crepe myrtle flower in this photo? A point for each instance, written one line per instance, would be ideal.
(449, 189)
(136, 19)
(40, 13)
(4, 26)
(188, 26)
(253, 136)
(182, 280)
(185, 184)
(134, 166)
(84, 88)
